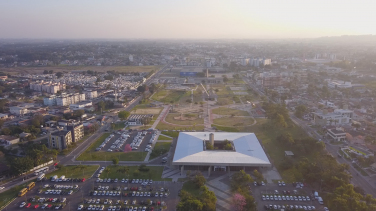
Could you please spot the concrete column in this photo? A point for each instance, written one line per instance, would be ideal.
(209, 171)
(182, 169)
(228, 168)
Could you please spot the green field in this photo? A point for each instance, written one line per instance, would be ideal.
(166, 96)
(226, 129)
(79, 171)
(109, 156)
(154, 173)
(162, 137)
(160, 146)
(229, 111)
(191, 188)
(233, 121)
(173, 134)
(119, 126)
(91, 155)
(197, 121)
(164, 126)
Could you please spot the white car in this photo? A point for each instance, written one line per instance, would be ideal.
(80, 207)
(2, 187)
(22, 204)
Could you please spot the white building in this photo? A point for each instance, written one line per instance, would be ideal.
(18, 110)
(80, 105)
(337, 134)
(48, 87)
(338, 117)
(91, 94)
(64, 99)
(246, 152)
(131, 58)
(3, 116)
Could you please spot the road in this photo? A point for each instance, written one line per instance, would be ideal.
(366, 183)
(70, 158)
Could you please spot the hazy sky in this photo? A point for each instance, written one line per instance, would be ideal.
(165, 19)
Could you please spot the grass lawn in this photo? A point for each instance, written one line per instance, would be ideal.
(164, 146)
(229, 111)
(224, 101)
(108, 156)
(233, 121)
(91, 154)
(154, 173)
(166, 96)
(164, 126)
(74, 171)
(10, 194)
(119, 126)
(162, 137)
(226, 129)
(197, 121)
(357, 151)
(191, 188)
(223, 91)
(360, 170)
(173, 134)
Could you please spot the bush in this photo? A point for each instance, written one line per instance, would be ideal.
(143, 168)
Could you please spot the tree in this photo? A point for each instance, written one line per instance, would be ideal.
(279, 121)
(5, 131)
(199, 180)
(123, 115)
(300, 110)
(189, 205)
(141, 89)
(50, 71)
(115, 161)
(238, 202)
(59, 74)
(45, 72)
(240, 180)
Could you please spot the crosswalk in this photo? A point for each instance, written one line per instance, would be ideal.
(170, 172)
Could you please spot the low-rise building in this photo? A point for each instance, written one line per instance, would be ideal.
(3, 116)
(60, 140)
(8, 140)
(80, 105)
(337, 134)
(338, 117)
(18, 110)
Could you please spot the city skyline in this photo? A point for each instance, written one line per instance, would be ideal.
(42, 19)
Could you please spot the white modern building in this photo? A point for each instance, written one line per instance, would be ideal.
(48, 87)
(337, 134)
(338, 117)
(191, 152)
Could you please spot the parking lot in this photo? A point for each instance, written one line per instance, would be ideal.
(278, 196)
(69, 195)
(116, 142)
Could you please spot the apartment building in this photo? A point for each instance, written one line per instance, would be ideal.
(64, 99)
(80, 105)
(91, 94)
(47, 87)
(60, 140)
(77, 131)
(338, 117)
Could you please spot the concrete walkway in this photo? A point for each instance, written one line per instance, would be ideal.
(222, 192)
(161, 116)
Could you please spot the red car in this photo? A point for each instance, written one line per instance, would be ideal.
(83, 180)
(36, 206)
(151, 208)
(49, 206)
(158, 203)
(28, 205)
(50, 199)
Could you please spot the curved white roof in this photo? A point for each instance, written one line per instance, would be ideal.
(248, 151)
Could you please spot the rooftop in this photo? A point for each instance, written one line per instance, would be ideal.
(247, 150)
